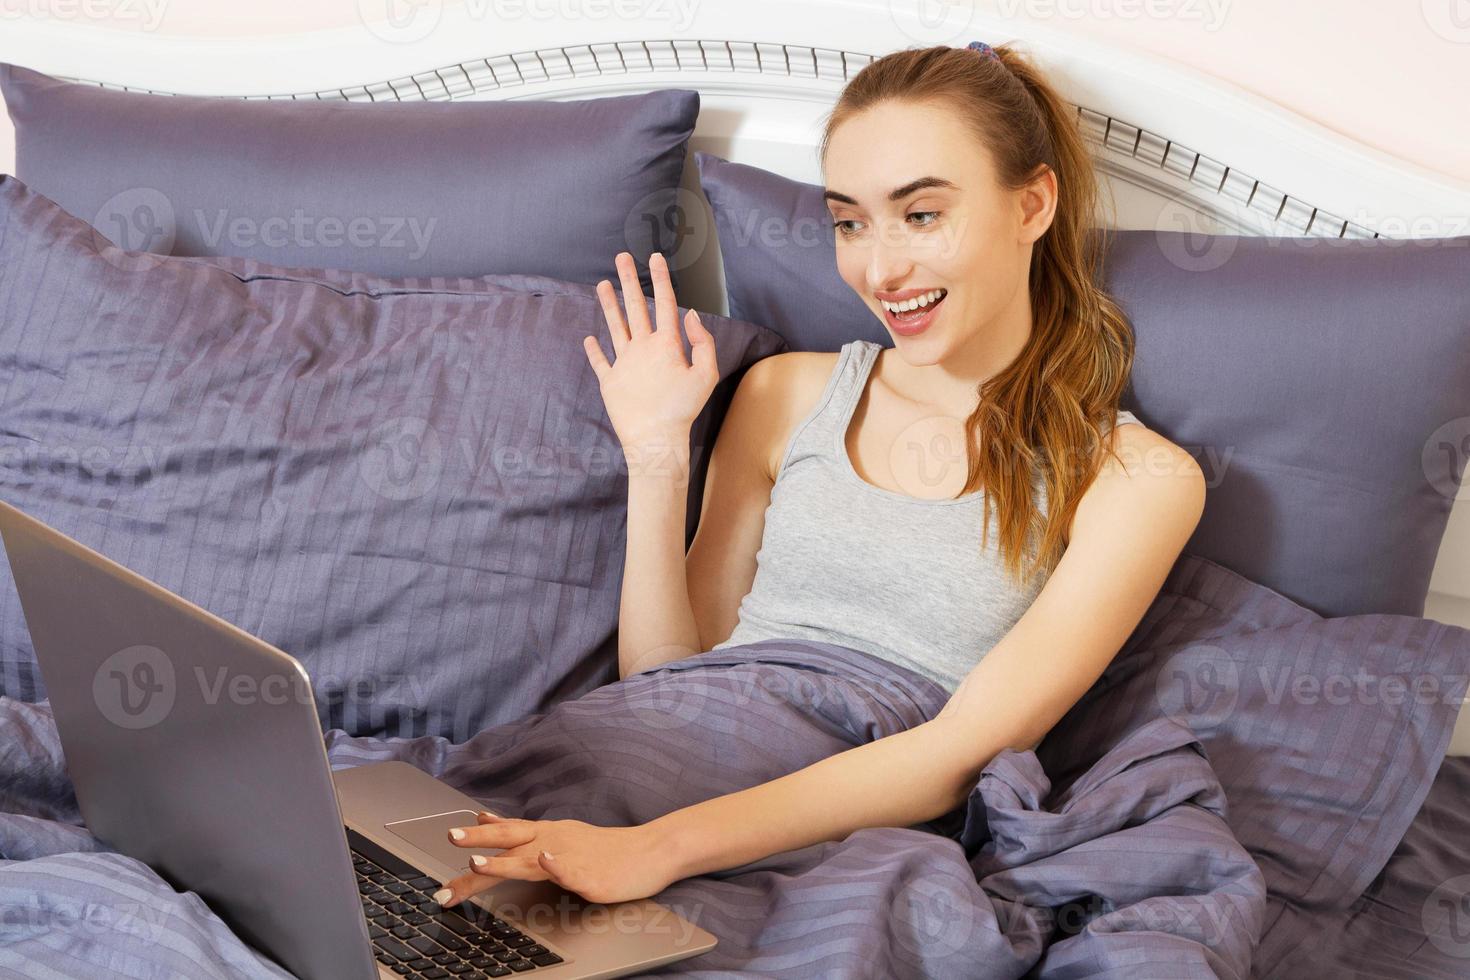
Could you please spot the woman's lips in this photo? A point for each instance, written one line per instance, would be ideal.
(912, 327)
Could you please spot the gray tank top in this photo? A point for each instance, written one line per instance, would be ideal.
(899, 577)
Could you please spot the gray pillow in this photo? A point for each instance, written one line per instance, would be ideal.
(1322, 384)
(414, 489)
(392, 189)
(1326, 734)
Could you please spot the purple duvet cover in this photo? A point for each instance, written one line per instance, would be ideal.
(1130, 869)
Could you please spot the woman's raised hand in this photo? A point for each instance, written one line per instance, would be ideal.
(651, 392)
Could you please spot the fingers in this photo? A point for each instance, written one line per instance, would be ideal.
(487, 872)
(456, 890)
(595, 356)
(665, 306)
(633, 298)
(701, 344)
(525, 866)
(617, 328)
(496, 832)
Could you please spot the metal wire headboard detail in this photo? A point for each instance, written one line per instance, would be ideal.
(1123, 149)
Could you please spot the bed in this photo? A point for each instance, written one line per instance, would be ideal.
(1178, 152)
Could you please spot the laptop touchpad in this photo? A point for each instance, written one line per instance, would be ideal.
(431, 835)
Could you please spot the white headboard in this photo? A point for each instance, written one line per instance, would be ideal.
(1177, 149)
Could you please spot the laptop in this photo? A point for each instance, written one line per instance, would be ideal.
(196, 748)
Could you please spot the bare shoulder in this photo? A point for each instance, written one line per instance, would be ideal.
(1137, 443)
(1145, 462)
(1145, 477)
(786, 387)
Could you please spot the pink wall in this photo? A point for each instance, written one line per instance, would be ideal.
(1394, 75)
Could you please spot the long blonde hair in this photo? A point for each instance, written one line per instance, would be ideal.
(1043, 413)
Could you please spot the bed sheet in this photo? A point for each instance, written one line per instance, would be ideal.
(1413, 922)
(1130, 871)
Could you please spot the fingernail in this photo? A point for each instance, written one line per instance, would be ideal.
(442, 896)
(546, 855)
(478, 861)
(456, 834)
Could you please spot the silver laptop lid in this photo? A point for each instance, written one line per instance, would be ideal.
(194, 747)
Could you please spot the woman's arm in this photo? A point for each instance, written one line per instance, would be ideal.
(1128, 531)
(720, 566)
(652, 395)
(655, 617)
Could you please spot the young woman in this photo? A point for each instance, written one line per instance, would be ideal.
(1009, 568)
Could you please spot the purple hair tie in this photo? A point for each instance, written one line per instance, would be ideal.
(984, 49)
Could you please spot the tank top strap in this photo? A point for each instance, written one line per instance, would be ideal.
(1125, 416)
(816, 434)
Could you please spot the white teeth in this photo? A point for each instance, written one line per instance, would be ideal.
(933, 296)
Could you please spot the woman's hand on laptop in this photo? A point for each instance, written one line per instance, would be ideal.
(601, 864)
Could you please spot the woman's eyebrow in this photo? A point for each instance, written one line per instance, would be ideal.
(898, 193)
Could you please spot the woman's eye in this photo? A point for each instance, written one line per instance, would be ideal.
(933, 217)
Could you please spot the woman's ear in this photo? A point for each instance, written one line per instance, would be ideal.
(1038, 204)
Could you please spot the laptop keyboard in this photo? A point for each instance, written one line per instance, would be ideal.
(415, 938)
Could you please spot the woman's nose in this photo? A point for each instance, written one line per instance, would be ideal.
(888, 268)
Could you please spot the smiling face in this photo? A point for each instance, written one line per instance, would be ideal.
(920, 210)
